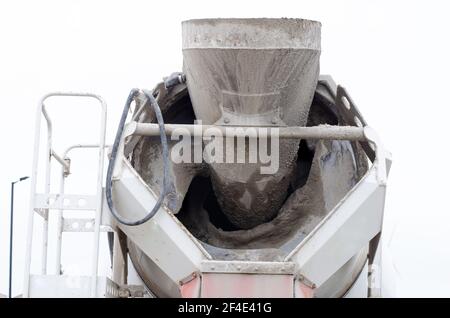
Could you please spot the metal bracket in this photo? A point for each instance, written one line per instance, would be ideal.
(66, 171)
(189, 278)
(305, 281)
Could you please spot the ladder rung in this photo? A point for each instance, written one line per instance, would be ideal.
(82, 225)
(66, 202)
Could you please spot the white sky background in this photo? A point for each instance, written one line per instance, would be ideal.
(392, 56)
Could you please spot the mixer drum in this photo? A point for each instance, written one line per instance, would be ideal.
(324, 172)
(251, 72)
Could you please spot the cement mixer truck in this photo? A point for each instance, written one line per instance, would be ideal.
(248, 174)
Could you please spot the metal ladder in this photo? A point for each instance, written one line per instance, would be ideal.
(43, 203)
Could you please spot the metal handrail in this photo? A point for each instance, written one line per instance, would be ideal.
(41, 110)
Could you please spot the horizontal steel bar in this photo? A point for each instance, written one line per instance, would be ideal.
(247, 267)
(78, 146)
(316, 132)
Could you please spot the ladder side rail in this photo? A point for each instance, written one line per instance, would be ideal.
(48, 167)
(34, 173)
(98, 212)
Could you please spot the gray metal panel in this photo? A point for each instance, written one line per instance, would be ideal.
(163, 238)
(344, 232)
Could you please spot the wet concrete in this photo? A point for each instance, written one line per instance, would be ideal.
(322, 174)
(333, 173)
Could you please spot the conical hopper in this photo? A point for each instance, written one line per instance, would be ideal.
(252, 72)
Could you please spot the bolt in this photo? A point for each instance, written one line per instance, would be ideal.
(226, 120)
(274, 120)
